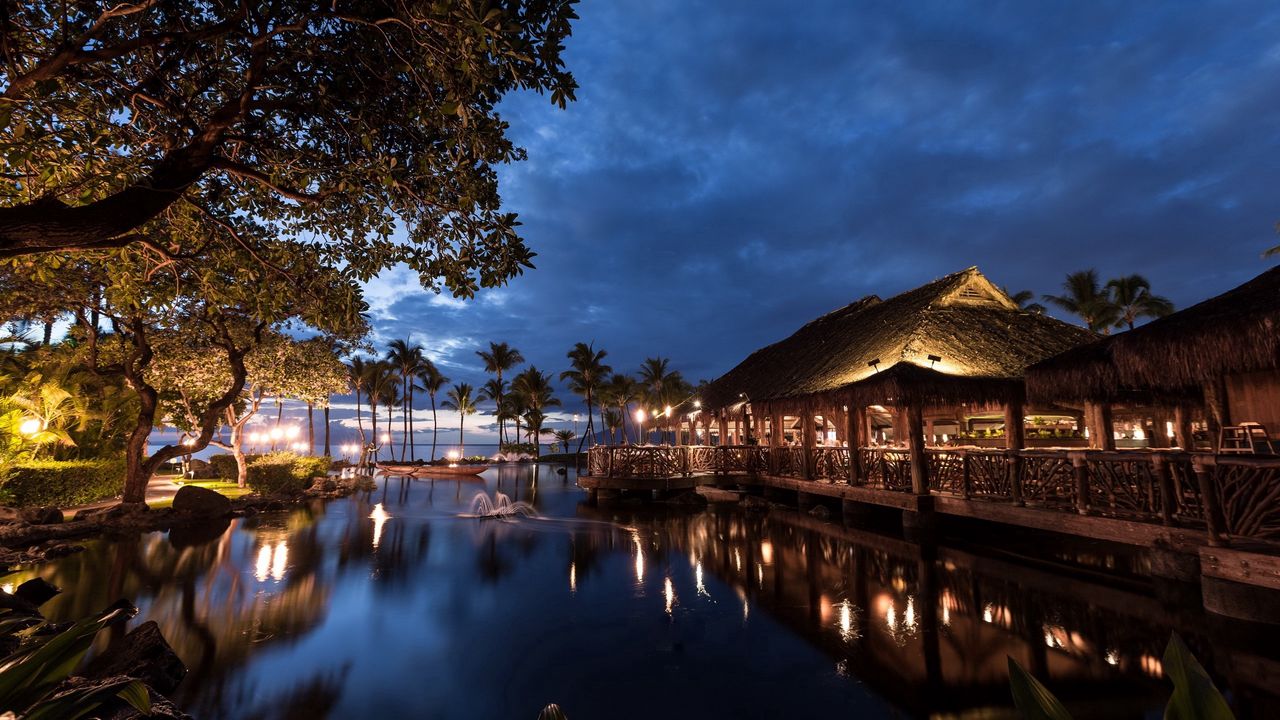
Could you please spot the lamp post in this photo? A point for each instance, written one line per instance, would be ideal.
(640, 424)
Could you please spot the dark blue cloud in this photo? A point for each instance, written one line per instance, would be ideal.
(732, 170)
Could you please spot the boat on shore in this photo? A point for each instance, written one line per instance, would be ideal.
(428, 470)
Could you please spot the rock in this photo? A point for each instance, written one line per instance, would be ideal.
(59, 550)
(144, 655)
(98, 513)
(201, 470)
(42, 515)
(820, 511)
(198, 533)
(8, 514)
(37, 591)
(201, 501)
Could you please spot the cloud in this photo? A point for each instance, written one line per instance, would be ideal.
(731, 171)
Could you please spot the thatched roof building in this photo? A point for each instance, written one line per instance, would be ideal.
(957, 339)
(1174, 357)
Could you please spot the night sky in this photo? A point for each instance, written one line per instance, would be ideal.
(731, 170)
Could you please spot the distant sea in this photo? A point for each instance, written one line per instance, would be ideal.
(421, 450)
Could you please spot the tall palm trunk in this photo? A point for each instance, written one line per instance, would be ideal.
(590, 419)
(462, 446)
(327, 453)
(373, 412)
(435, 426)
(412, 456)
(311, 428)
(405, 408)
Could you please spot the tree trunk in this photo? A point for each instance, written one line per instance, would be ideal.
(462, 446)
(138, 467)
(412, 455)
(311, 429)
(48, 332)
(373, 412)
(404, 416)
(435, 427)
(327, 453)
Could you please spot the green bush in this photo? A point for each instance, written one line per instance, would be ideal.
(224, 465)
(285, 473)
(62, 482)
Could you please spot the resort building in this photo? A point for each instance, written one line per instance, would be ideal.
(941, 364)
(1215, 364)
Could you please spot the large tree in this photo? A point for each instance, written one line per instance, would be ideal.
(279, 365)
(499, 358)
(332, 124)
(586, 372)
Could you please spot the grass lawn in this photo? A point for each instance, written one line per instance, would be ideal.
(225, 487)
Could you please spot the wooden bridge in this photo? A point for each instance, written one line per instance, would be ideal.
(1222, 512)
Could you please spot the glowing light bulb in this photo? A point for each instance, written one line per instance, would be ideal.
(30, 426)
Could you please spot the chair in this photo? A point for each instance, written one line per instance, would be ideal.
(1249, 438)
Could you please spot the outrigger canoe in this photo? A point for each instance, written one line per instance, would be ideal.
(416, 470)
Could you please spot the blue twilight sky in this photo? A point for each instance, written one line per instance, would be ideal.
(733, 169)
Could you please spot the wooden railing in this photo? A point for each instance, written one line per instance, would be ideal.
(1228, 496)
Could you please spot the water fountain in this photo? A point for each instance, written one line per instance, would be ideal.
(498, 506)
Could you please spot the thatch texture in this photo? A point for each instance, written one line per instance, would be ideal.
(1173, 357)
(984, 340)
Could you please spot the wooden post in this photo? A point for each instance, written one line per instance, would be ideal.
(901, 432)
(1098, 419)
(854, 420)
(1182, 428)
(1203, 466)
(1014, 439)
(1216, 412)
(806, 434)
(919, 459)
(724, 430)
(775, 440)
(1080, 469)
(1164, 480)
(1159, 439)
(966, 475)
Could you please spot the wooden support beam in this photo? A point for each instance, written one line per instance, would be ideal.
(1182, 428)
(1216, 412)
(915, 441)
(806, 435)
(724, 430)
(1015, 431)
(855, 420)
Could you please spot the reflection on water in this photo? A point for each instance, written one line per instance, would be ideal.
(390, 604)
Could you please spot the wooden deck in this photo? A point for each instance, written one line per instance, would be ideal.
(1216, 515)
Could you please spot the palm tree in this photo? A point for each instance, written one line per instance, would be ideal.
(380, 385)
(462, 401)
(432, 382)
(358, 372)
(564, 437)
(612, 421)
(1085, 298)
(499, 358)
(407, 359)
(622, 390)
(586, 373)
(1023, 299)
(534, 390)
(1133, 299)
(664, 387)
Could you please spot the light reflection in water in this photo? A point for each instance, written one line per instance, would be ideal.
(8, 587)
(379, 516)
(844, 620)
(697, 575)
(573, 577)
(766, 552)
(669, 593)
(639, 561)
(271, 562)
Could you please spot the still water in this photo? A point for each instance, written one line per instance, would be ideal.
(389, 604)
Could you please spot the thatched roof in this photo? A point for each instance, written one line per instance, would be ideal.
(1175, 356)
(983, 339)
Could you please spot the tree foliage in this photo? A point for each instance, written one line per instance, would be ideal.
(366, 130)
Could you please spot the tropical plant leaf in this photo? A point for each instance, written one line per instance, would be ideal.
(1033, 699)
(1194, 695)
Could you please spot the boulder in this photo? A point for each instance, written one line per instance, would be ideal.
(8, 514)
(36, 591)
(201, 501)
(42, 515)
(144, 655)
(201, 470)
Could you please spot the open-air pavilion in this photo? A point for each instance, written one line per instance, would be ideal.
(1216, 363)
(919, 369)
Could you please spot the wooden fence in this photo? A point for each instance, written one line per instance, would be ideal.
(1228, 496)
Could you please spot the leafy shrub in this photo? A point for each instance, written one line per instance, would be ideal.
(519, 448)
(62, 482)
(285, 473)
(224, 465)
